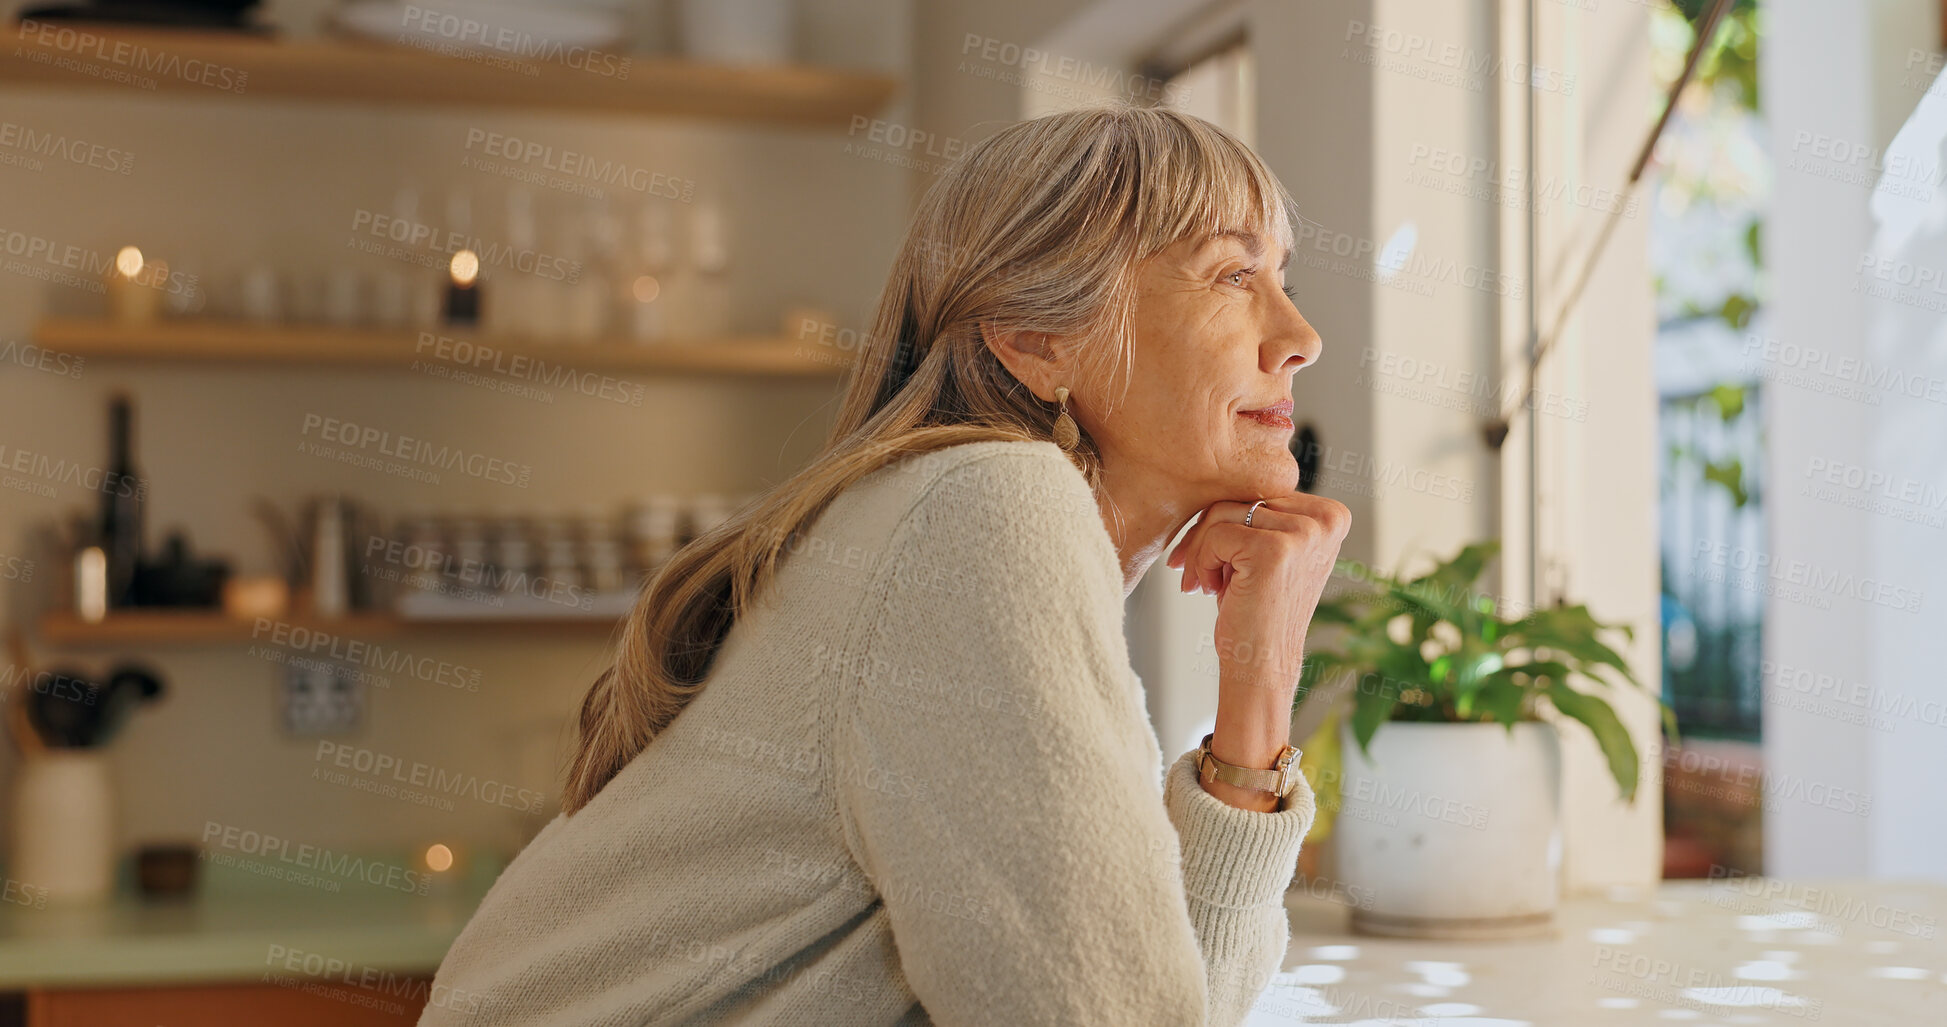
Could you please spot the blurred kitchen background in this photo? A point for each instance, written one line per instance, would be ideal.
(357, 359)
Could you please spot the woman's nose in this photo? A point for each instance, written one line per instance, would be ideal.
(1291, 344)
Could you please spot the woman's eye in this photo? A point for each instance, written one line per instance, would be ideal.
(1238, 276)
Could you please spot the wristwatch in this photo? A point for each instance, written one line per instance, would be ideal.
(1279, 780)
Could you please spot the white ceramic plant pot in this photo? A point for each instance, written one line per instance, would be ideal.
(1452, 830)
(64, 825)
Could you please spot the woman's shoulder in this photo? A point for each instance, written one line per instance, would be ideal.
(1007, 467)
(995, 507)
(1020, 480)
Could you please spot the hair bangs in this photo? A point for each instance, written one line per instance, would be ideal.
(1203, 182)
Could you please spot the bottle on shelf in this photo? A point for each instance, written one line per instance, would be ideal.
(119, 530)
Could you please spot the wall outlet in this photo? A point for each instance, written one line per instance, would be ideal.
(322, 698)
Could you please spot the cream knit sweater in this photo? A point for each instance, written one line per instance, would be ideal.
(920, 786)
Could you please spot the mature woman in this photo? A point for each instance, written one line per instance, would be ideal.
(872, 752)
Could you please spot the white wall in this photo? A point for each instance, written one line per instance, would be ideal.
(1597, 475)
(1855, 700)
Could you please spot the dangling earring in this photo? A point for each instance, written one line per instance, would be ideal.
(1067, 436)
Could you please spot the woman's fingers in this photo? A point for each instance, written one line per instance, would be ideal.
(1330, 512)
(1279, 514)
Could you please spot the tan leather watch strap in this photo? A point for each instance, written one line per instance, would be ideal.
(1279, 780)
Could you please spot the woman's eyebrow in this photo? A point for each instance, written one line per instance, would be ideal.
(1253, 244)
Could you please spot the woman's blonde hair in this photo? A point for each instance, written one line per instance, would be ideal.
(1040, 228)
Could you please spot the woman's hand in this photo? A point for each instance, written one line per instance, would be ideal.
(1268, 578)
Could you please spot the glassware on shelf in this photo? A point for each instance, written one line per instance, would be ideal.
(709, 284)
(508, 316)
(422, 287)
(259, 295)
(185, 290)
(391, 299)
(343, 300)
(588, 563)
(647, 300)
(591, 254)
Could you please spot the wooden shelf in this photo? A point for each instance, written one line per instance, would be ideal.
(206, 64)
(165, 628)
(515, 360)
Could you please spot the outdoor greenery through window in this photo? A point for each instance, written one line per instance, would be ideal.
(1707, 192)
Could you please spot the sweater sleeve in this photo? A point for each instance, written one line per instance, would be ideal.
(996, 776)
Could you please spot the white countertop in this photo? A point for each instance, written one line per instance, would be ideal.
(1743, 952)
(1750, 952)
(221, 938)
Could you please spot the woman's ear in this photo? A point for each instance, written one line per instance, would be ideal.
(1031, 357)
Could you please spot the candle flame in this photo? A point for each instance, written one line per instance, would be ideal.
(465, 266)
(128, 260)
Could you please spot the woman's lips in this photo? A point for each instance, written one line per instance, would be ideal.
(1277, 415)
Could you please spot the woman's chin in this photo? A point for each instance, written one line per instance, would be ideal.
(1268, 474)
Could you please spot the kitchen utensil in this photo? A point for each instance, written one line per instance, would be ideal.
(68, 711)
(334, 530)
(128, 686)
(174, 578)
(62, 705)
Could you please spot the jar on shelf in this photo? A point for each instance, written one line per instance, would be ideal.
(602, 553)
(513, 561)
(560, 553)
(655, 531)
(425, 556)
(468, 568)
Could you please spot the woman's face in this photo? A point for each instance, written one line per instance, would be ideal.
(1207, 414)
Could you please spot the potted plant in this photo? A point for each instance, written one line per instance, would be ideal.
(1448, 819)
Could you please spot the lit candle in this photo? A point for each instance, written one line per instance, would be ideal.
(132, 296)
(445, 868)
(91, 584)
(463, 294)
